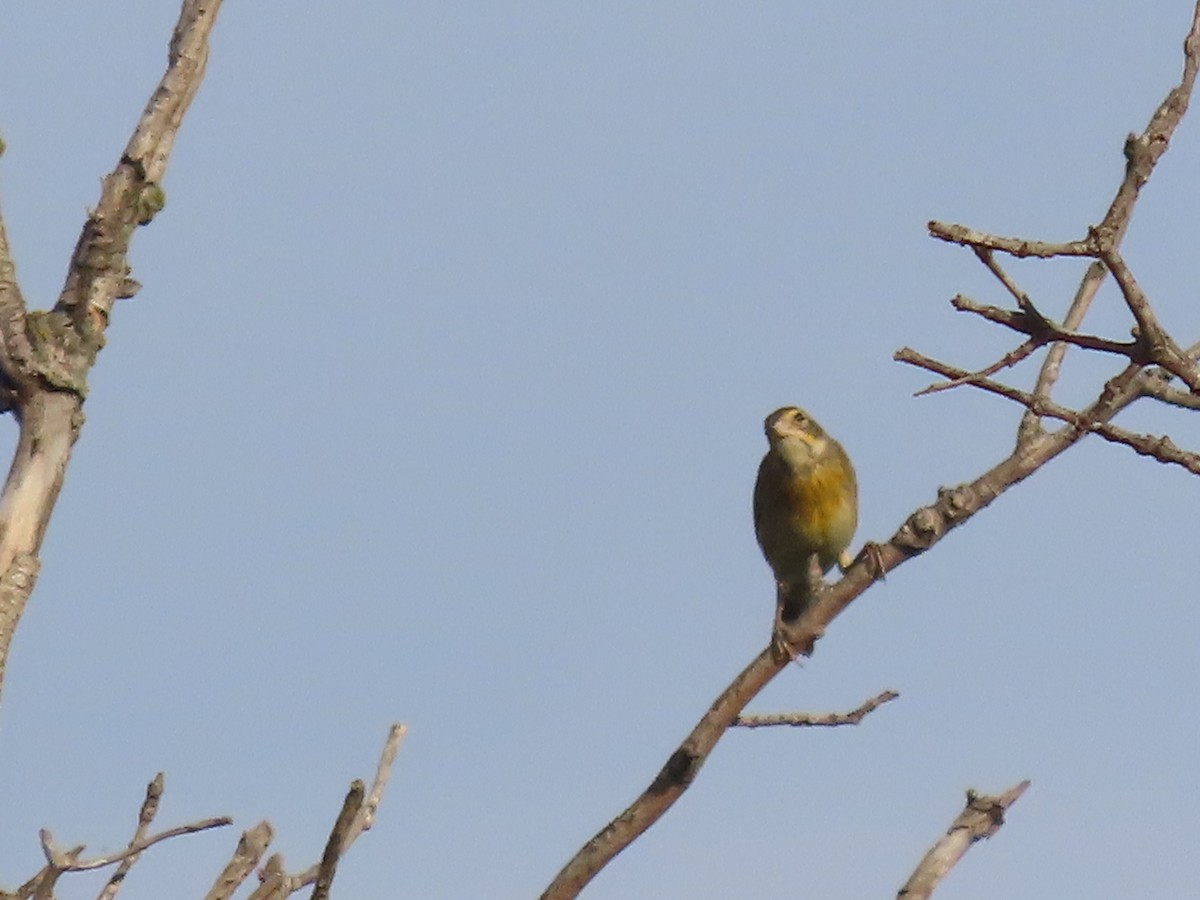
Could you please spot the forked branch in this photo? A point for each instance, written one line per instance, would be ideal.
(60, 861)
(45, 357)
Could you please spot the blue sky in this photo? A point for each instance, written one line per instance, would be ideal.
(442, 404)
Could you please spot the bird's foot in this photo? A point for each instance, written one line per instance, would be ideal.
(872, 554)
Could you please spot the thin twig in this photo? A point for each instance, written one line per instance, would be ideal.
(1007, 361)
(817, 720)
(1160, 448)
(68, 861)
(366, 815)
(988, 258)
(1044, 330)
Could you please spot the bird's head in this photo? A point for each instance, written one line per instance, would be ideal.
(795, 435)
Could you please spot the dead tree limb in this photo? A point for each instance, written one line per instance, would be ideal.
(45, 356)
(981, 818)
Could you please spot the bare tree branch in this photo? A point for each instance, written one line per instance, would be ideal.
(45, 357)
(981, 818)
(366, 815)
(926, 526)
(1142, 153)
(1160, 448)
(817, 720)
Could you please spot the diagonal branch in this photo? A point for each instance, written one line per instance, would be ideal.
(1143, 151)
(1158, 345)
(131, 194)
(145, 816)
(1162, 392)
(1089, 285)
(922, 530)
(337, 840)
(988, 258)
(981, 818)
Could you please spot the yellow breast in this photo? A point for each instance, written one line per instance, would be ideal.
(825, 504)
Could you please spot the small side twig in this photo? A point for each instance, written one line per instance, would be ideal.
(988, 258)
(816, 720)
(1044, 330)
(981, 818)
(1007, 361)
(1161, 391)
(68, 860)
(1161, 448)
(1019, 247)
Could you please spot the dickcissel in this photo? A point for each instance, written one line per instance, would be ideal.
(805, 504)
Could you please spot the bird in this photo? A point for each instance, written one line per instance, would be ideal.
(805, 504)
